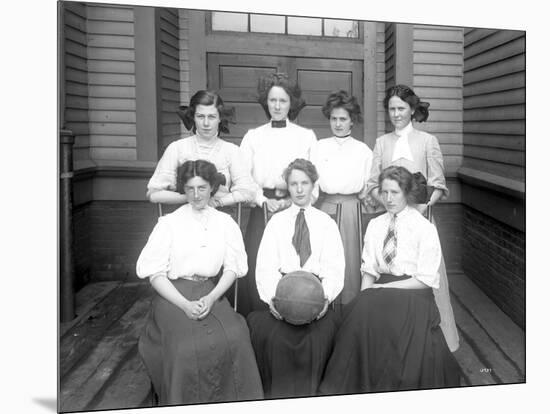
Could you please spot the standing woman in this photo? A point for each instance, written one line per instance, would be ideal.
(389, 338)
(344, 165)
(195, 347)
(418, 152)
(206, 117)
(268, 149)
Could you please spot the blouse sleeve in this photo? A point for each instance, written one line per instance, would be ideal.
(333, 262)
(310, 155)
(376, 166)
(367, 169)
(268, 263)
(436, 169)
(368, 258)
(243, 188)
(164, 177)
(247, 153)
(235, 255)
(429, 257)
(154, 259)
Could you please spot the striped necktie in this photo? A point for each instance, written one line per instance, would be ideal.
(389, 249)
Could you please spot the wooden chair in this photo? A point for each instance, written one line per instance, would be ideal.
(160, 211)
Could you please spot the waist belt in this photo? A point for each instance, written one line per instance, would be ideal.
(196, 278)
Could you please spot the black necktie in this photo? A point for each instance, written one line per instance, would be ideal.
(278, 124)
(300, 240)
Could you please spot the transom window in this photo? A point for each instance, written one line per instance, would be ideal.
(264, 23)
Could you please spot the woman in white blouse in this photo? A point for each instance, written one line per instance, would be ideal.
(292, 358)
(267, 150)
(418, 152)
(344, 164)
(390, 338)
(206, 117)
(195, 347)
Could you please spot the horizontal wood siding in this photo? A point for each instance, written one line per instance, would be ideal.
(111, 82)
(183, 16)
(390, 68)
(389, 53)
(184, 63)
(494, 102)
(76, 77)
(438, 72)
(380, 76)
(169, 74)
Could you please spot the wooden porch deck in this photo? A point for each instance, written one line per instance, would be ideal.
(100, 368)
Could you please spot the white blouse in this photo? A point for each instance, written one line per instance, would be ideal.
(276, 254)
(268, 151)
(227, 158)
(184, 244)
(343, 164)
(418, 248)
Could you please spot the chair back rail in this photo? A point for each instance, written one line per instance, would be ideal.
(239, 219)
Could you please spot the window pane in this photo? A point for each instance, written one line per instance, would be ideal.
(341, 28)
(267, 24)
(234, 22)
(304, 26)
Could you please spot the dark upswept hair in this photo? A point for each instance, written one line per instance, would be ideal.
(342, 99)
(207, 98)
(265, 83)
(406, 94)
(303, 165)
(407, 181)
(199, 168)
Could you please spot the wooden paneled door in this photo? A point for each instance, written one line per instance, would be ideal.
(236, 77)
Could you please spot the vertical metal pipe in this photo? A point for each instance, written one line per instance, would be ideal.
(66, 264)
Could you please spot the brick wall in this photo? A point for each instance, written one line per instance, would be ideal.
(109, 236)
(81, 247)
(448, 217)
(493, 256)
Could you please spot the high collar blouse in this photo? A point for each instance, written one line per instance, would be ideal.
(402, 148)
(426, 155)
(227, 158)
(184, 244)
(343, 164)
(418, 248)
(277, 255)
(268, 151)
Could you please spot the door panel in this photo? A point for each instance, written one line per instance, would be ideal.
(236, 77)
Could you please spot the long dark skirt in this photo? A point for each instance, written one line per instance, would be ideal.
(390, 339)
(198, 361)
(291, 359)
(248, 297)
(349, 230)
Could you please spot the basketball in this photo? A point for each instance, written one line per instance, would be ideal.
(299, 297)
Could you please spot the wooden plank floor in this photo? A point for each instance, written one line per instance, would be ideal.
(100, 367)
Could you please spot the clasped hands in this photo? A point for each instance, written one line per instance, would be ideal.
(274, 205)
(199, 309)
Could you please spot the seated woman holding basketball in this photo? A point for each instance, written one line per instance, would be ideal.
(389, 338)
(299, 271)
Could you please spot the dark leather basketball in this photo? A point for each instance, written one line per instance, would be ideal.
(299, 297)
